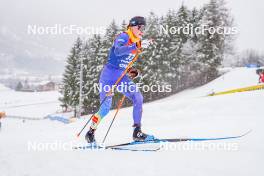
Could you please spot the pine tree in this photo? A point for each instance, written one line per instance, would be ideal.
(123, 26)
(93, 64)
(19, 86)
(70, 90)
(191, 70)
(151, 60)
(195, 20)
(173, 43)
(169, 47)
(179, 59)
(213, 44)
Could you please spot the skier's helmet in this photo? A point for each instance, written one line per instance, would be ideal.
(137, 21)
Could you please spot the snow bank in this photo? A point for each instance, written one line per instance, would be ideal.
(3, 88)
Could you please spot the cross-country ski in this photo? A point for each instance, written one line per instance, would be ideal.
(138, 144)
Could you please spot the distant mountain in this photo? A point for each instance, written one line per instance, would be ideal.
(41, 65)
(28, 54)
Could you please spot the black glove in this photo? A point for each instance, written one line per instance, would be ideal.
(133, 72)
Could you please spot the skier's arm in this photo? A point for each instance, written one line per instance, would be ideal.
(120, 45)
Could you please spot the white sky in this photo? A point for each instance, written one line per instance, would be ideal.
(15, 15)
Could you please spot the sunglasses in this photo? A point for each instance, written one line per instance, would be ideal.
(141, 28)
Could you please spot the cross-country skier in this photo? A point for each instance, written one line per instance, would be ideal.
(124, 49)
(2, 115)
(261, 76)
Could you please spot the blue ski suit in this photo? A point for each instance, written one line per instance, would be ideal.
(122, 52)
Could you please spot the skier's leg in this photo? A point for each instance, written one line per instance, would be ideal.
(107, 80)
(133, 93)
(137, 99)
(103, 111)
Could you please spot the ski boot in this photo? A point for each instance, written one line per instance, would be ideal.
(89, 137)
(139, 136)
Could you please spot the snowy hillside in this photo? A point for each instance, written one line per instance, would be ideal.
(237, 78)
(187, 114)
(3, 88)
(28, 104)
(234, 79)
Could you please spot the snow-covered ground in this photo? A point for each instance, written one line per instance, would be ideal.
(29, 104)
(187, 114)
(3, 88)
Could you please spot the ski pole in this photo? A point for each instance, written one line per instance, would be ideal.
(117, 109)
(110, 92)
